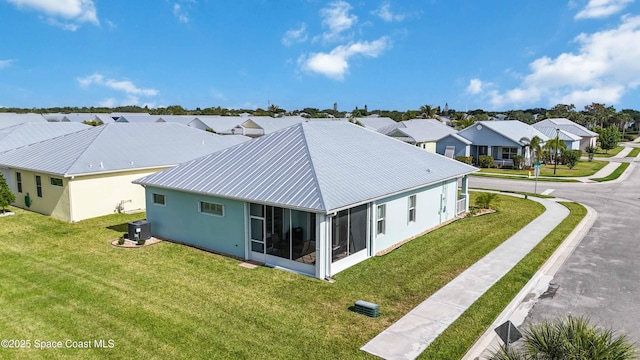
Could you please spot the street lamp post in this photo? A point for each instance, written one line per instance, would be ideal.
(555, 157)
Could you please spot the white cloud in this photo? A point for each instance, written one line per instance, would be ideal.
(335, 64)
(602, 8)
(125, 86)
(74, 11)
(295, 35)
(384, 12)
(181, 14)
(475, 86)
(5, 63)
(605, 67)
(337, 19)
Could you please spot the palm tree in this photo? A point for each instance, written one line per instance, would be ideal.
(428, 112)
(555, 145)
(463, 121)
(568, 338)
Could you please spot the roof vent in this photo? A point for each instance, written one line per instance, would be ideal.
(101, 165)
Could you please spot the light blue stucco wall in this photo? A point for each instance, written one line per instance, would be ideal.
(179, 219)
(428, 213)
(461, 148)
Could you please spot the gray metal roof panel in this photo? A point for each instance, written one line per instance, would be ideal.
(10, 119)
(117, 147)
(28, 133)
(514, 129)
(319, 166)
(566, 125)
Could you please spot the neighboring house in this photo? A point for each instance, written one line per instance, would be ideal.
(588, 137)
(10, 119)
(375, 123)
(118, 115)
(102, 119)
(256, 126)
(88, 173)
(315, 198)
(572, 141)
(16, 136)
(136, 119)
(423, 133)
(503, 140)
(189, 120)
(221, 124)
(453, 145)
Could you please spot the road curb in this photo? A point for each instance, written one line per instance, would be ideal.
(523, 302)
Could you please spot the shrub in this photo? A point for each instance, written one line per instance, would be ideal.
(141, 241)
(571, 157)
(485, 161)
(590, 150)
(485, 199)
(121, 240)
(465, 159)
(518, 162)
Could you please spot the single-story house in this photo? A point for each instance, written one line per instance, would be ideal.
(138, 118)
(503, 140)
(588, 137)
(88, 173)
(374, 122)
(572, 141)
(423, 133)
(189, 120)
(16, 136)
(316, 197)
(453, 145)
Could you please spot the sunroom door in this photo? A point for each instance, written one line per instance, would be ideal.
(257, 231)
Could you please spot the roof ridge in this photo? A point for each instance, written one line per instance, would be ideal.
(100, 130)
(323, 204)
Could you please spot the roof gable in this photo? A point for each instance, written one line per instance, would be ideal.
(566, 125)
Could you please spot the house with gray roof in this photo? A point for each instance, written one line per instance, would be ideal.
(10, 119)
(427, 134)
(503, 140)
(138, 118)
(88, 173)
(316, 197)
(587, 137)
(375, 123)
(16, 136)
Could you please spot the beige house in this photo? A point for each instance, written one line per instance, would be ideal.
(88, 173)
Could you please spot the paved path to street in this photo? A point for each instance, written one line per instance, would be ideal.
(413, 333)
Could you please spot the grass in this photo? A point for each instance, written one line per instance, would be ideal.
(518, 192)
(613, 152)
(582, 168)
(634, 152)
(522, 177)
(615, 174)
(65, 281)
(454, 342)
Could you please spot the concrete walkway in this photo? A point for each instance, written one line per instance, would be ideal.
(413, 333)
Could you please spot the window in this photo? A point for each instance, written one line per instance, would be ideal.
(158, 199)
(412, 208)
(38, 185)
(19, 181)
(56, 181)
(483, 150)
(211, 208)
(509, 152)
(380, 222)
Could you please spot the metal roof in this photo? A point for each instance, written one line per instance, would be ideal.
(375, 123)
(138, 118)
(564, 135)
(180, 119)
(566, 125)
(28, 133)
(117, 147)
(422, 130)
(511, 129)
(10, 119)
(320, 166)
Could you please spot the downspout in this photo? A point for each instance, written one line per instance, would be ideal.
(70, 198)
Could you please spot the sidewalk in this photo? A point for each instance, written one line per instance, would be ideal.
(412, 334)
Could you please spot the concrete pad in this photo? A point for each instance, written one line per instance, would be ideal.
(388, 345)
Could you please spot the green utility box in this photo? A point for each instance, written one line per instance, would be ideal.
(367, 308)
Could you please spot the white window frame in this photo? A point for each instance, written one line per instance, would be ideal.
(201, 211)
(381, 225)
(411, 208)
(164, 199)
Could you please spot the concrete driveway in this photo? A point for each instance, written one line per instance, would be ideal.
(601, 279)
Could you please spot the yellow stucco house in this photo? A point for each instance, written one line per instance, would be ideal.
(88, 173)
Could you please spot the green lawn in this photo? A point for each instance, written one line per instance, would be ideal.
(634, 152)
(454, 342)
(615, 174)
(602, 154)
(582, 168)
(65, 281)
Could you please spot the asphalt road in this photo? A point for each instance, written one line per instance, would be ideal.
(601, 279)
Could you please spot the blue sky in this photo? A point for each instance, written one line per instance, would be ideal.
(396, 55)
